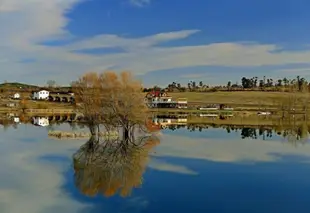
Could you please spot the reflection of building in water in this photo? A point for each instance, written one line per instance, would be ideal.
(40, 121)
(16, 96)
(208, 115)
(16, 119)
(13, 117)
(164, 122)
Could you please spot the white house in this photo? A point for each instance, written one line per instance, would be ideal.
(16, 96)
(40, 121)
(182, 103)
(40, 95)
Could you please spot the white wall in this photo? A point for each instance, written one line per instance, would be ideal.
(43, 94)
(16, 95)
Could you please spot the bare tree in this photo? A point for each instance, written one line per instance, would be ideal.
(112, 99)
(51, 83)
(88, 100)
(123, 100)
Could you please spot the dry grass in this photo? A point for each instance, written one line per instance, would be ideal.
(238, 98)
(238, 120)
(252, 120)
(47, 105)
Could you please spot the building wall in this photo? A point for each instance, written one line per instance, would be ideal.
(43, 94)
(16, 95)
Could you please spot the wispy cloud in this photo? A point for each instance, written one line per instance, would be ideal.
(297, 71)
(129, 44)
(140, 3)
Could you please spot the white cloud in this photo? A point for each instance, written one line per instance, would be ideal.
(140, 3)
(297, 71)
(34, 21)
(29, 21)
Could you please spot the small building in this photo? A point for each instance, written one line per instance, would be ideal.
(162, 102)
(40, 95)
(159, 99)
(40, 121)
(16, 96)
(182, 103)
(165, 122)
(11, 104)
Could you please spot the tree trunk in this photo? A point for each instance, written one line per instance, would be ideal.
(126, 133)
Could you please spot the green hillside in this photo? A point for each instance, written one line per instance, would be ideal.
(17, 85)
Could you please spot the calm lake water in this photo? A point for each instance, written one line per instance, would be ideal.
(189, 171)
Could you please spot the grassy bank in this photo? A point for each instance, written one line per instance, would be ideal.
(256, 98)
(240, 120)
(30, 105)
(236, 111)
(241, 101)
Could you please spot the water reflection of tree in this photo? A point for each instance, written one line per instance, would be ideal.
(254, 132)
(292, 120)
(248, 133)
(111, 166)
(292, 129)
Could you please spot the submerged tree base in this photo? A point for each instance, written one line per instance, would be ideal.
(64, 135)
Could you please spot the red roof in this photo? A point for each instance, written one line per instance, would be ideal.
(155, 93)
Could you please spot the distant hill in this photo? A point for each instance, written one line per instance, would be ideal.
(18, 85)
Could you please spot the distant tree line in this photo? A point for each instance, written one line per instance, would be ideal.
(246, 84)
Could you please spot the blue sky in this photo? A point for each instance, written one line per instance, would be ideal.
(158, 40)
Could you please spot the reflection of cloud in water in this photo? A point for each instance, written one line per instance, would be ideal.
(135, 205)
(164, 166)
(230, 150)
(28, 183)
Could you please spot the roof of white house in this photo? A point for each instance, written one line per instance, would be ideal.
(40, 91)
